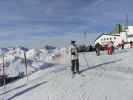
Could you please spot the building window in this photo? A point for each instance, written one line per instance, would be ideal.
(107, 38)
(114, 38)
(110, 38)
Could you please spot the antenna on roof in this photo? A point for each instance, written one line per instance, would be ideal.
(126, 24)
(85, 36)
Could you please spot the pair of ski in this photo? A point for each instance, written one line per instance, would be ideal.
(74, 74)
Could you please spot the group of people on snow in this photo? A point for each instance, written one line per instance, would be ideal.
(109, 48)
(75, 55)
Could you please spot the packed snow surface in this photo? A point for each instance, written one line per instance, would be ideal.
(103, 77)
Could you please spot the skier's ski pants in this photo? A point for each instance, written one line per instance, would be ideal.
(75, 65)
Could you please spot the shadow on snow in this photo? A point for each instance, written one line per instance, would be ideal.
(99, 65)
(13, 89)
(27, 90)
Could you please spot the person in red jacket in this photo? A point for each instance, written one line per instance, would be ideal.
(110, 48)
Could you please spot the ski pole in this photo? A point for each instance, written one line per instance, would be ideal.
(4, 76)
(25, 61)
(85, 59)
(4, 81)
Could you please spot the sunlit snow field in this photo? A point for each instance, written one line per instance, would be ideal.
(102, 77)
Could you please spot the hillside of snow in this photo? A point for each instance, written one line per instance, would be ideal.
(102, 77)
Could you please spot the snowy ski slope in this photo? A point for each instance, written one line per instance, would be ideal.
(104, 77)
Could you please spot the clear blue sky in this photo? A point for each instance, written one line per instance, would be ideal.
(33, 20)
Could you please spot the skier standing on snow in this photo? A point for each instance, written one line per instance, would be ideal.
(122, 44)
(97, 47)
(131, 44)
(74, 58)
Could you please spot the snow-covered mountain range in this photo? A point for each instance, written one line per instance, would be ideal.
(36, 59)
